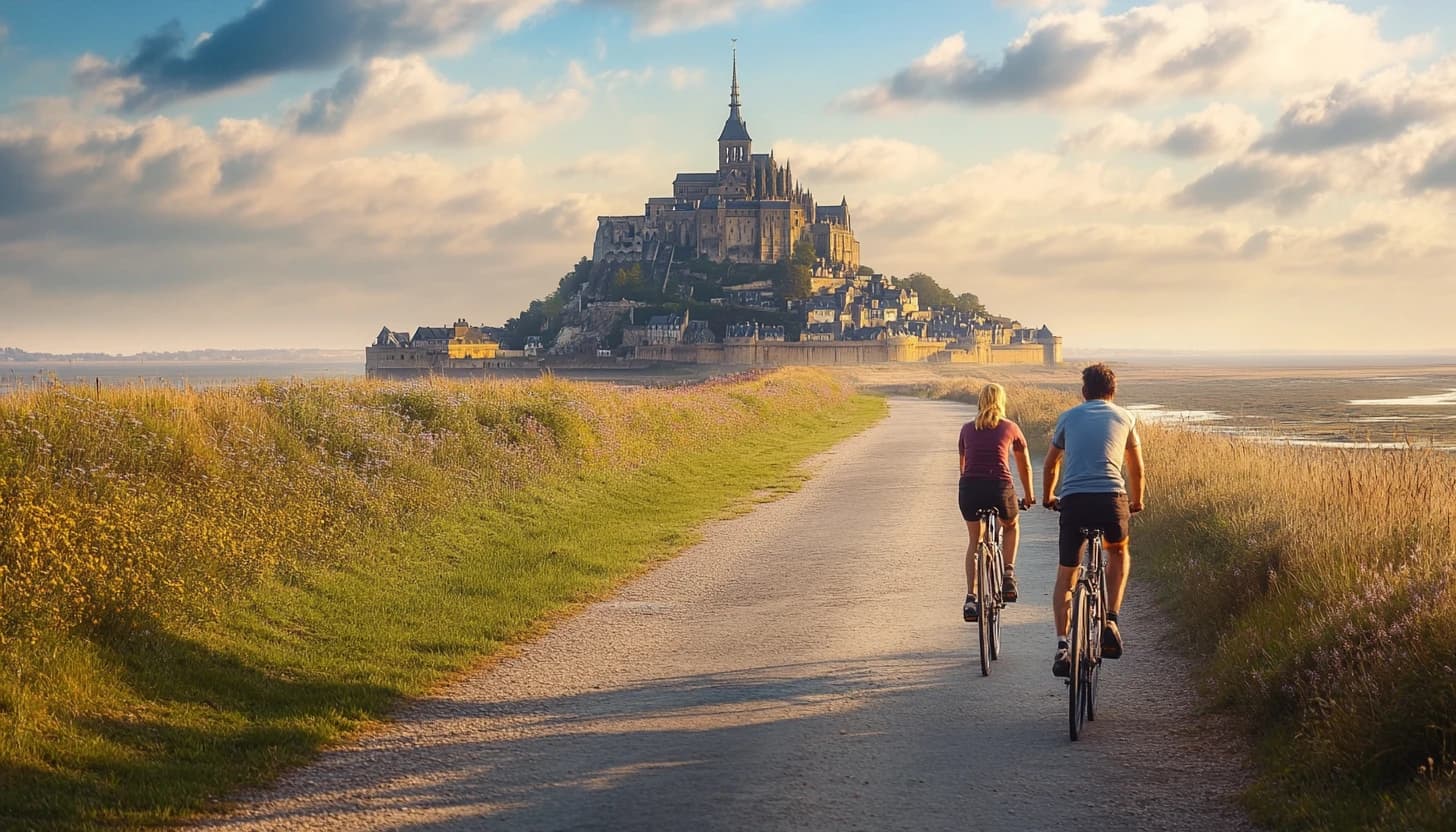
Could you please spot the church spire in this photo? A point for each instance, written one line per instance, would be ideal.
(734, 102)
(734, 129)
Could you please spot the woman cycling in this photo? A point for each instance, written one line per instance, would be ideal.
(985, 446)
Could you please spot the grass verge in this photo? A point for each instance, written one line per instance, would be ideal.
(1316, 589)
(155, 716)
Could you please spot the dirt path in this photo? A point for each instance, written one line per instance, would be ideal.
(803, 668)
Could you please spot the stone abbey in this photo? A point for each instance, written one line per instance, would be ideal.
(751, 210)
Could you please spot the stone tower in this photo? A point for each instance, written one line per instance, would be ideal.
(735, 146)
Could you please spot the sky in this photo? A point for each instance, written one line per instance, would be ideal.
(1177, 175)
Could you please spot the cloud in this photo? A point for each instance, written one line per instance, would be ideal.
(4, 33)
(406, 99)
(26, 186)
(660, 17)
(276, 36)
(684, 77)
(856, 161)
(1375, 110)
(602, 165)
(1289, 187)
(279, 36)
(1216, 129)
(1439, 171)
(1161, 51)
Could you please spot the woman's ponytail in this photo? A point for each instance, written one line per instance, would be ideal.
(992, 407)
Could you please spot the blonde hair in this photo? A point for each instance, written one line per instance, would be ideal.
(993, 407)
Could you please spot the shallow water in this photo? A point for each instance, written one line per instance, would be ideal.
(1349, 409)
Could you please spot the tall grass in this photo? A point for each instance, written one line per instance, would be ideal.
(1320, 582)
(1320, 586)
(200, 588)
(144, 502)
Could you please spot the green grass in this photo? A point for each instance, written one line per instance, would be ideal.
(155, 723)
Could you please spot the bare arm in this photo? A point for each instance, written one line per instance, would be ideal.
(1136, 485)
(1051, 471)
(1023, 467)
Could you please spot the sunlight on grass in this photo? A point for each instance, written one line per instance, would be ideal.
(1320, 585)
(288, 560)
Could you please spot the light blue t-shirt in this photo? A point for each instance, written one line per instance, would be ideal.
(1094, 435)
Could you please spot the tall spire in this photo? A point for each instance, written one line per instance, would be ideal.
(734, 129)
(734, 102)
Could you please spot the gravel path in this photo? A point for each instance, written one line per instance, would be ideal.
(805, 667)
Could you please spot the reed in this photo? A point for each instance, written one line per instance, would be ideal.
(1317, 589)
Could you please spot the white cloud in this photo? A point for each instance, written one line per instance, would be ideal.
(129, 215)
(1093, 250)
(1219, 128)
(406, 99)
(856, 161)
(1158, 52)
(1373, 110)
(684, 77)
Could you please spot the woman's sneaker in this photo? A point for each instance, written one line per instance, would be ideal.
(1008, 587)
(972, 609)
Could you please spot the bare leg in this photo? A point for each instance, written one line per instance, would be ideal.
(1010, 537)
(1119, 559)
(974, 527)
(1062, 598)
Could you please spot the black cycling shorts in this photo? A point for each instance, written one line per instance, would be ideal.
(1107, 513)
(977, 494)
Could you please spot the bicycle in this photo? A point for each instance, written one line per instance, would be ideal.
(990, 572)
(1089, 616)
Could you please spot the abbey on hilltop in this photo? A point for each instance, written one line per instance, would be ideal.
(751, 210)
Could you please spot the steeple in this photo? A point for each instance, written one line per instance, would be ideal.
(734, 129)
(734, 103)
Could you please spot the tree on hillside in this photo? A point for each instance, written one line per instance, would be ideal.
(930, 292)
(629, 282)
(865, 271)
(795, 274)
(967, 302)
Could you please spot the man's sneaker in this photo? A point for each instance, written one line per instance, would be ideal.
(1111, 641)
(1008, 587)
(972, 610)
(1062, 663)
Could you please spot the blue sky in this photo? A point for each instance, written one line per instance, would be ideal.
(1145, 161)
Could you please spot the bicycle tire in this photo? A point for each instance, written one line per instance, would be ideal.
(995, 605)
(1094, 650)
(982, 621)
(1098, 619)
(1076, 647)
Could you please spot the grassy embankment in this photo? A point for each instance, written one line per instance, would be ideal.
(199, 589)
(1319, 585)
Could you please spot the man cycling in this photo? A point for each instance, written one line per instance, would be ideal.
(1090, 445)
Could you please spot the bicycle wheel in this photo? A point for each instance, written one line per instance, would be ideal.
(995, 603)
(1076, 690)
(1094, 651)
(983, 627)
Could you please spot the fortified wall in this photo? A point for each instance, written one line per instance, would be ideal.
(902, 350)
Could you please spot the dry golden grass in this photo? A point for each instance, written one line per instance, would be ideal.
(1320, 585)
(138, 502)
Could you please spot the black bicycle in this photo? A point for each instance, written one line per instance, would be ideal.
(1089, 616)
(990, 572)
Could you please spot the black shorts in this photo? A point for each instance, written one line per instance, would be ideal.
(1107, 513)
(977, 494)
